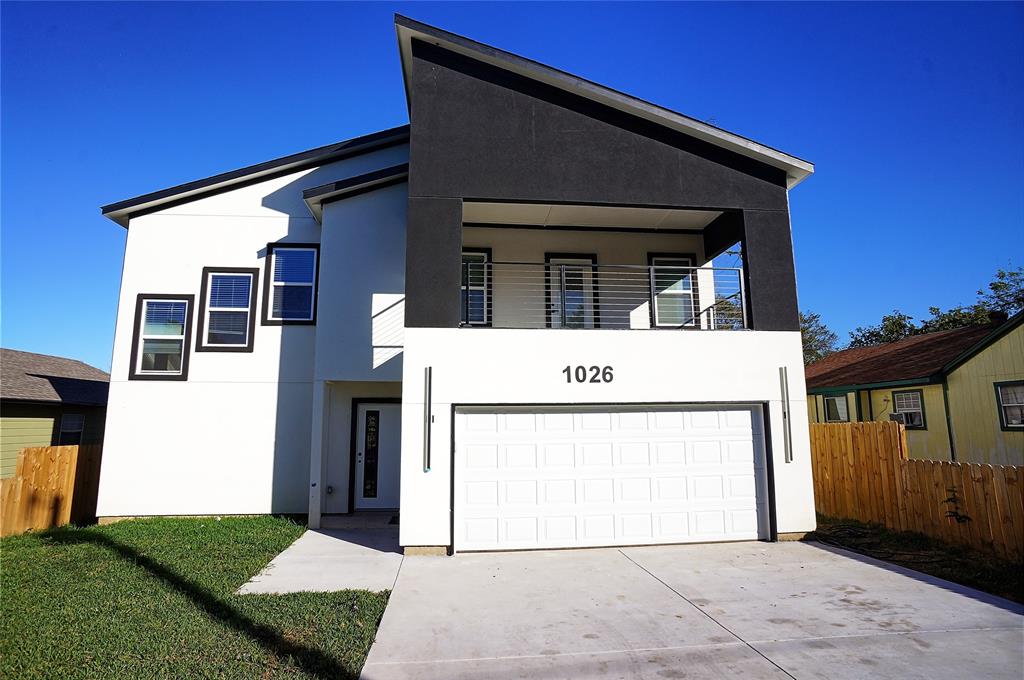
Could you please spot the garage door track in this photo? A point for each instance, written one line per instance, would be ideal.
(734, 610)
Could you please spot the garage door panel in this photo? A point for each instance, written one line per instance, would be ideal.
(611, 477)
(559, 455)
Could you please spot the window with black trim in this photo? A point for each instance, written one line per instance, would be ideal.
(836, 410)
(72, 425)
(160, 339)
(572, 283)
(674, 302)
(1010, 402)
(475, 300)
(289, 289)
(911, 404)
(227, 310)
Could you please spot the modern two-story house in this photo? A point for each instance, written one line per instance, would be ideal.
(507, 320)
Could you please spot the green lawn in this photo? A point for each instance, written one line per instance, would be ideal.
(155, 598)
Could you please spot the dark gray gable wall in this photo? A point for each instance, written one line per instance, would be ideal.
(483, 133)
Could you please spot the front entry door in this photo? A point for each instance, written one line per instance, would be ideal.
(378, 456)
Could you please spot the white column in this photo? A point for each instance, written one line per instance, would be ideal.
(321, 403)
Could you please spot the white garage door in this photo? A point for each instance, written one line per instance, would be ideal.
(561, 478)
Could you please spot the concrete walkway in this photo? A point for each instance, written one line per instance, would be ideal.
(333, 559)
(739, 610)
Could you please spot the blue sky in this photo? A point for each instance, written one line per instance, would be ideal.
(912, 113)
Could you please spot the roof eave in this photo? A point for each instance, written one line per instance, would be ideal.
(853, 387)
(997, 333)
(316, 197)
(122, 211)
(796, 169)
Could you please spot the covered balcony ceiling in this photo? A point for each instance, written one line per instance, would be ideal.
(614, 217)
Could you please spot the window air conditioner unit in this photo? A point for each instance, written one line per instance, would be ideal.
(898, 418)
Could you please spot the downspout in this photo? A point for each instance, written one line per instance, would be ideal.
(949, 418)
(860, 419)
(871, 408)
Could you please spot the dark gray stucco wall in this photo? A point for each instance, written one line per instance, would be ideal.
(482, 133)
(433, 262)
(768, 265)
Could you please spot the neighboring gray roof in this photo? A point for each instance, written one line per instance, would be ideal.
(796, 169)
(122, 211)
(26, 376)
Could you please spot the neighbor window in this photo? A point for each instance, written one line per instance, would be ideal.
(71, 427)
(162, 331)
(674, 300)
(1010, 400)
(228, 305)
(290, 295)
(474, 301)
(911, 405)
(835, 409)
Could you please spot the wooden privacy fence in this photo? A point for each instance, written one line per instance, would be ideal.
(862, 472)
(51, 486)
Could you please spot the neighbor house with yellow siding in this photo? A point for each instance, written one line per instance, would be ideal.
(960, 392)
(46, 401)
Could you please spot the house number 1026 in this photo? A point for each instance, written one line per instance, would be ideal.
(594, 374)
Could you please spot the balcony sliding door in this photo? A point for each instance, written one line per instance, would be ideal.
(571, 283)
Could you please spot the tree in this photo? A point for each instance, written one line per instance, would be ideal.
(957, 317)
(818, 340)
(893, 327)
(1005, 294)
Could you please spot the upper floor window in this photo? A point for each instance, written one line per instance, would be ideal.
(571, 291)
(911, 405)
(1010, 401)
(836, 409)
(289, 295)
(163, 327)
(475, 291)
(674, 303)
(71, 427)
(227, 310)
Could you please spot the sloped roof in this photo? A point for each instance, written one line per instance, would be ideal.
(916, 357)
(122, 211)
(26, 376)
(408, 29)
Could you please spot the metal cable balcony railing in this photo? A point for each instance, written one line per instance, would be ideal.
(583, 295)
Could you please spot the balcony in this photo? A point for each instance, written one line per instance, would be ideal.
(573, 292)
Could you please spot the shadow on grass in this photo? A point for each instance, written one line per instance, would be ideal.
(312, 661)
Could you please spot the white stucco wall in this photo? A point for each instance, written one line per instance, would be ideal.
(497, 366)
(362, 281)
(235, 437)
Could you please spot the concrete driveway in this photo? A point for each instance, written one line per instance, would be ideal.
(738, 610)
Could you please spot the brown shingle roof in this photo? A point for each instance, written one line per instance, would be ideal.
(28, 376)
(918, 356)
